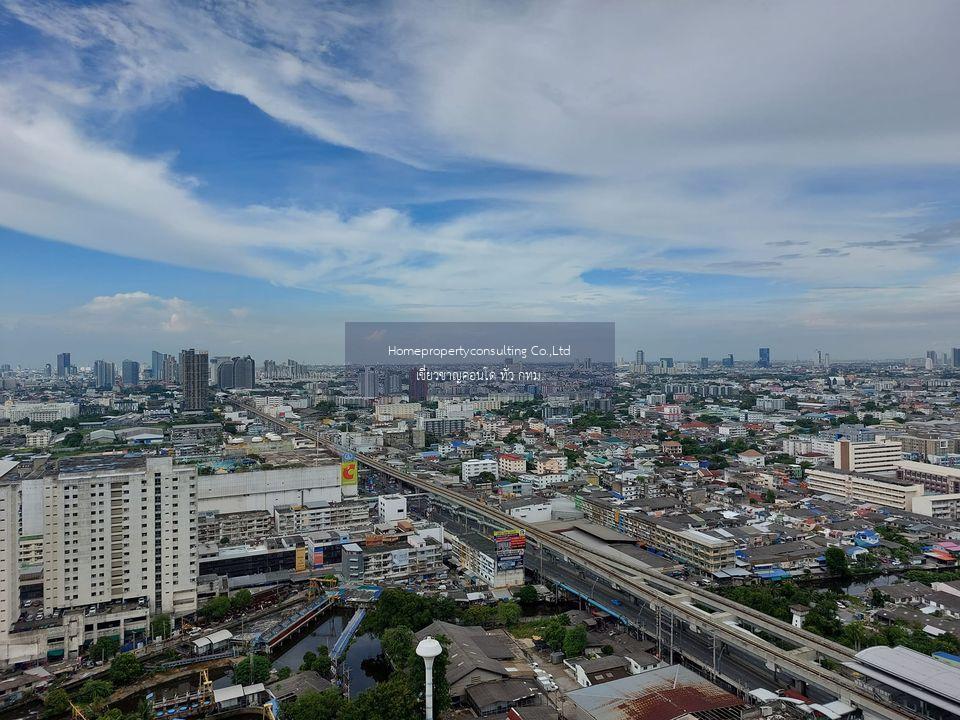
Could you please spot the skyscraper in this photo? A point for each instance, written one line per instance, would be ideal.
(130, 372)
(666, 363)
(956, 357)
(195, 379)
(764, 360)
(932, 357)
(157, 365)
(704, 363)
(639, 358)
(728, 361)
(63, 364)
(237, 372)
(416, 388)
(367, 382)
(105, 374)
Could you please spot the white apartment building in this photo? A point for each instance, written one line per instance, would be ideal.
(550, 463)
(471, 468)
(120, 529)
(862, 487)
(39, 438)
(541, 482)
(392, 508)
(941, 507)
(397, 410)
(38, 412)
(871, 457)
(9, 561)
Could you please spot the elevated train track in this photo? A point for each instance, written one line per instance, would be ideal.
(728, 620)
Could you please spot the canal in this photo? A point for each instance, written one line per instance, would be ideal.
(364, 662)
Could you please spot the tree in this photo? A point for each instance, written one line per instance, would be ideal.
(574, 641)
(74, 439)
(554, 632)
(836, 560)
(527, 596)
(397, 607)
(160, 626)
(93, 691)
(251, 673)
(56, 702)
(508, 613)
(397, 645)
(770, 497)
(216, 608)
(241, 600)
(125, 669)
(312, 705)
(392, 700)
(877, 598)
(104, 648)
(283, 673)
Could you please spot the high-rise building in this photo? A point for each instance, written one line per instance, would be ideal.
(367, 382)
(158, 366)
(728, 361)
(130, 373)
(956, 357)
(9, 560)
(639, 358)
(666, 363)
(63, 364)
(416, 387)
(932, 357)
(764, 360)
(393, 382)
(105, 374)
(237, 372)
(120, 529)
(48, 370)
(195, 379)
(704, 363)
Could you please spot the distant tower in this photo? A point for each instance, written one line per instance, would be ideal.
(63, 364)
(195, 379)
(704, 363)
(639, 358)
(428, 649)
(764, 360)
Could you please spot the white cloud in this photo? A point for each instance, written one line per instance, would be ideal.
(680, 126)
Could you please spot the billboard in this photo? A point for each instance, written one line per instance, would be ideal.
(510, 548)
(348, 469)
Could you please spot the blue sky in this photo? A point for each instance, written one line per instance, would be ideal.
(247, 180)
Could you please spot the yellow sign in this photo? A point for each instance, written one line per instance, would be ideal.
(348, 472)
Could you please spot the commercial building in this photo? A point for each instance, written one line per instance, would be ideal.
(367, 382)
(879, 456)
(416, 387)
(479, 556)
(195, 379)
(391, 508)
(398, 554)
(764, 359)
(884, 490)
(265, 489)
(130, 373)
(63, 364)
(320, 515)
(120, 529)
(214, 526)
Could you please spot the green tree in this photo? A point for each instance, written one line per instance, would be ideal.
(574, 641)
(283, 673)
(527, 596)
(56, 702)
(508, 613)
(251, 670)
(104, 648)
(93, 691)
(836, 560)
(555, 631)
(216, 608)
(397, 607)
(312, 705)
(770, 497)
(240, 600)
(877, 598)
(125, 669)
(397, 644)
(392, 700)
(74, 439)
(160, 626)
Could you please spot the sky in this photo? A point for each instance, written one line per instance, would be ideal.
(711, 177)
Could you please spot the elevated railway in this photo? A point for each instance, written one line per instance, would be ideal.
(730, 621)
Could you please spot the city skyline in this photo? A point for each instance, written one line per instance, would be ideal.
(226, 178)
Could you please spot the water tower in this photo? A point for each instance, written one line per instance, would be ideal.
(428, 649)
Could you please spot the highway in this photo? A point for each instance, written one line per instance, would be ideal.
(724, 618)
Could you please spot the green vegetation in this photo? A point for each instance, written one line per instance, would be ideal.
(221, 606)
(56, 702)
(526, 596)
(836, 561)
(125, 669)
(397, 607)
(104, 648)
(251, 670)
(574, 641)
(928, 577)
(606, 421)
(160, 626)
(319, 661)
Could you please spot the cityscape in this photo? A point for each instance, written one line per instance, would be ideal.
(419, 360)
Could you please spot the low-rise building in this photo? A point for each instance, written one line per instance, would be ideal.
(884, 490)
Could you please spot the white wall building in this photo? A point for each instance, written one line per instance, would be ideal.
(121, 529)
(264, 489)
(862, 487)
(38, 412)
(471, 468)
(392, 508)
(879, 456)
